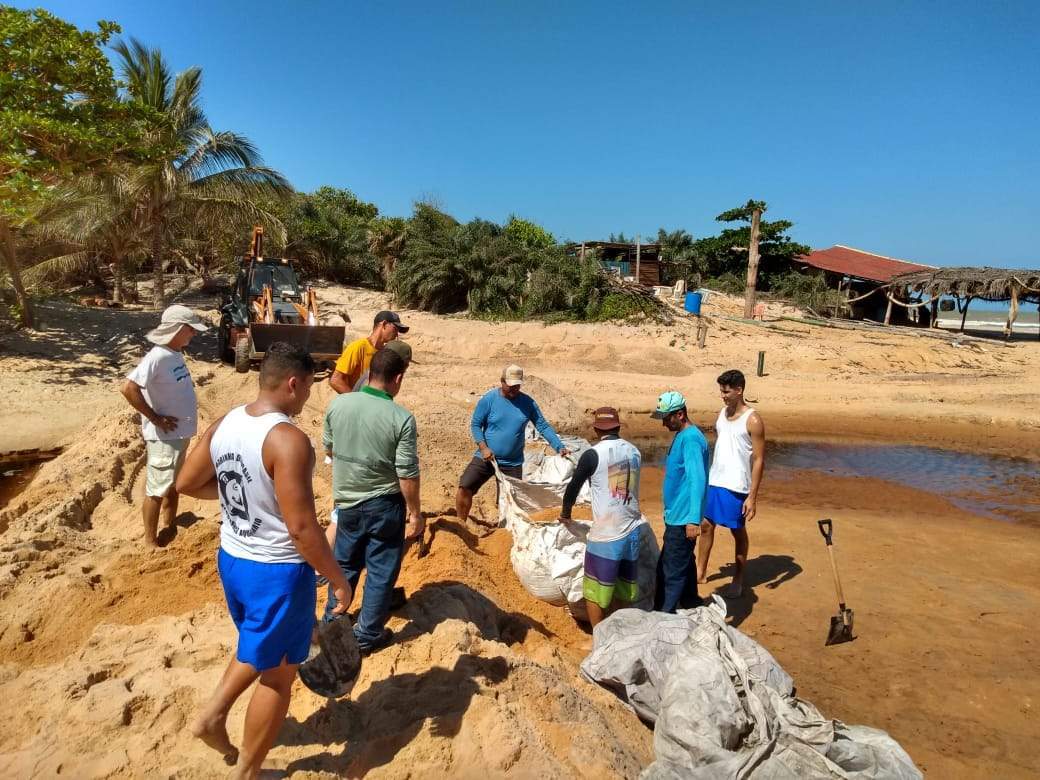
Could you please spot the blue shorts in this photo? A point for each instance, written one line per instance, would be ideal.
(272, 605)
(725, 507)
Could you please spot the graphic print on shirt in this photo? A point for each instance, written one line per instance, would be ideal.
(619, 479)
(232, 478)
(180, 371)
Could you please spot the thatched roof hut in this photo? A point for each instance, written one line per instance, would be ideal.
(991, 284)
(967, 284)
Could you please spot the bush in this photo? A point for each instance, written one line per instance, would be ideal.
(728, 282)
(807, 291)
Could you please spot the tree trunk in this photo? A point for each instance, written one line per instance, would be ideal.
(752, 268)
(10, 253)
(158, 290)
(117, 275)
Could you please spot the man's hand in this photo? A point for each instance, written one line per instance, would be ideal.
(563, 519)
(414, 528)
(164, 422)
(564, 452)
(692, 531)
(485, 451)
(343, 593)
(749, 509)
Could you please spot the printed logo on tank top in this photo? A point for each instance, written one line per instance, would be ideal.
(619, 479)
(232, 478)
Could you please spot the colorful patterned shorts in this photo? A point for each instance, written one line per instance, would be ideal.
(610, 570)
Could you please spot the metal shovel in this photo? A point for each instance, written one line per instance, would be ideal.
(841, 624)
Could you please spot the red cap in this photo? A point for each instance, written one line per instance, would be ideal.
(606, 418)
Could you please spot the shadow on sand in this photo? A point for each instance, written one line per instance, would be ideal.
(769, 571)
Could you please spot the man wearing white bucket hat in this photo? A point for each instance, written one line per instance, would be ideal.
(160, 388)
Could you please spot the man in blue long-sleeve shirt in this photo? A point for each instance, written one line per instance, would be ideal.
(685, 486)
(498, 427)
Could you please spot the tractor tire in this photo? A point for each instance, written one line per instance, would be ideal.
(242, 355)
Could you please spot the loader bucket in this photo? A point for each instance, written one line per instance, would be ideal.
(323, 342)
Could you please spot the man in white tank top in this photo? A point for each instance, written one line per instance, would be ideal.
(259, 465)
(734, 479)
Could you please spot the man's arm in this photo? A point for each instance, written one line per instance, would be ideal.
(338, 382)
(198, 476)
(289, 458)
(543, 427)
(407, 464)
(347, 371)
(695, 461)
(478, 424)
(757, 429)
(587, 465)
(132, 392)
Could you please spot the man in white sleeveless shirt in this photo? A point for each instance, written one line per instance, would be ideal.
(611, 467)
(259, 465)
(734, 479)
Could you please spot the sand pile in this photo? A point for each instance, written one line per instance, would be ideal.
(109, 649)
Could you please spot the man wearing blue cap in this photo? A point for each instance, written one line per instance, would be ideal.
(685, 485)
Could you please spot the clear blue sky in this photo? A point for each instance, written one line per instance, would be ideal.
(907, 129)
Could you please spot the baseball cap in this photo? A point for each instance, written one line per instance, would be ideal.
(172, 320)
(403, 349)
(392, 317)
(606, 418)
(513, 375)
(671, 401)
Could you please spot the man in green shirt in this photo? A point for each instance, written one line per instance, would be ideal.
(375, 485)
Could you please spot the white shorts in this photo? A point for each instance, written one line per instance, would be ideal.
(165, 459)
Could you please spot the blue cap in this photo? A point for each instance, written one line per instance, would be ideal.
(669, 402)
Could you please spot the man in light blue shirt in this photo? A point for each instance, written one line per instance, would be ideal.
(498, 426)
(685, 486)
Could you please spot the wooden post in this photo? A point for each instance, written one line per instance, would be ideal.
(752, 269)
(638, 252)
(964, 316)
(582, 255)
(888, 311)
(761, 363)
(702, 333)
(935, 312)
(1012, 313)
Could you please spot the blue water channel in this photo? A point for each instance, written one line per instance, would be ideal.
(988, 485)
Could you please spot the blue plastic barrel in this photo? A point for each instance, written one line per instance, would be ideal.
(693, 303)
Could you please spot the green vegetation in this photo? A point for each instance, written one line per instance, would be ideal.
(102, 177)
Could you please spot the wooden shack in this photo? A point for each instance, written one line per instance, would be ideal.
(638, 262)
(865, 279)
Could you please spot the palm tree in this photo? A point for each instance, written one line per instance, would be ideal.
(680, 250)
(99, 218)
(386, 241)
(194, 171)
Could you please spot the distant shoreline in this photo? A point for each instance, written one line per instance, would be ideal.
(1027, 322)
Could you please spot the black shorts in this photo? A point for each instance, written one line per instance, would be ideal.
(479, 471)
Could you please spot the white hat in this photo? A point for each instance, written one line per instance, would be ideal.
(172, 320)
(513, 376)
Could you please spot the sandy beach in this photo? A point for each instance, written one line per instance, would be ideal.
(108, 649)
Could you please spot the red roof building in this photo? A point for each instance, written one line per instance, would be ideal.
(858, 264)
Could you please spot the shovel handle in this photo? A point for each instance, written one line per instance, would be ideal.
(827, 529)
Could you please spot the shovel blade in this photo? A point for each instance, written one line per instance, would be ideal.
(841, 628)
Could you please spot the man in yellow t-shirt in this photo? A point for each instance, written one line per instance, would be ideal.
(357, 355)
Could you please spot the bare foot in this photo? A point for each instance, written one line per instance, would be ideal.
(214, 733)
(702, 579)
(734, 591)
